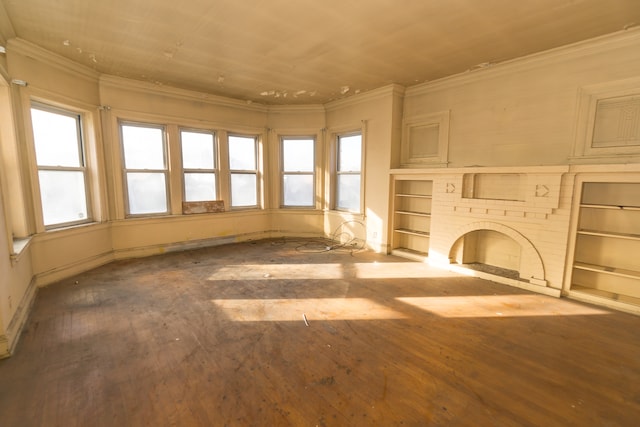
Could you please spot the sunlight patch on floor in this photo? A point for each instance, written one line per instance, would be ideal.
(373, 270)
(269, 310)
(498, 306)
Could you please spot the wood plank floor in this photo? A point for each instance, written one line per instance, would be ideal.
(282, 333)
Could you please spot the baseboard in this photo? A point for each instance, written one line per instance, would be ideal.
(9, 341)
(4, 347)
(144, 251)
(604, 302)
(69, 270)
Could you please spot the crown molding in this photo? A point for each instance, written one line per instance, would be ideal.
(109, 81)
(597, 45)
(392, 89)
(7, 31)
(303, 108)
(30, 50)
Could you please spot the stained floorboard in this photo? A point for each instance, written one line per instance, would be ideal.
(217, 337)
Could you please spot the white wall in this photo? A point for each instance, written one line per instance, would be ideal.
(523, 112)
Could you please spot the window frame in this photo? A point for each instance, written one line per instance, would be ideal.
(82, 157)
(284, 173)
(125, 170)
(216, 162)
(255, 172)
(337, 172)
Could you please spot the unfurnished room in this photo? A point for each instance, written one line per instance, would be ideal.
(319, 213)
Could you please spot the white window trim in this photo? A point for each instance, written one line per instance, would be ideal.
(82, 153)
(216, 162)
(165, 171)
(336, 172)
(283, 172)
(255, 172)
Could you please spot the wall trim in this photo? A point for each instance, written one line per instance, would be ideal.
(389, 90)
(120, 83)
(560, 54)
(9, 341)
(63, 272)
(40, 54)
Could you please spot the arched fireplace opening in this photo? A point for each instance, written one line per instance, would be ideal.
(497, 250)
(488, 251)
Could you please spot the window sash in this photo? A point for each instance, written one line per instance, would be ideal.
(131, 187)
(188, 192)
(49, 203)
(353, 203)
(299, 200)
(239, 200)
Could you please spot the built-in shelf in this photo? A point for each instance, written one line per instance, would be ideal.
(621, 207)
(413, 213)
(610, 234)
(412, 232)
(415, 196)
(606, 261)
(412, 217)
(608, 270)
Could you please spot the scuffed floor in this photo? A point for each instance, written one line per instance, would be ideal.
(285, 333)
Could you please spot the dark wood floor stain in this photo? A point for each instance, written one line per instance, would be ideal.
(217, 337)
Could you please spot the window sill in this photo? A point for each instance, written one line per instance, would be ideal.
(19, 248)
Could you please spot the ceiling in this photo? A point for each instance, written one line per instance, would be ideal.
(303, 51)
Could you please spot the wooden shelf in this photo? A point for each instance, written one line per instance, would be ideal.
(632, 274)
(412, 232)
(607, 236)
(625, 208)
(413, 213)
(411, 217)
(628, 236)
(415, 196)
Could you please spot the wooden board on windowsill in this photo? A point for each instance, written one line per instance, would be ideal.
(210, 206)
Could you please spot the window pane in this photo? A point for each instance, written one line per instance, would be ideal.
(242, 153)
(349, 192)
(147, 193)
(297, 155)
(199, 187)
(298, 190)
(63, 196)
(56, 139)
(243, 189)
(143, 147)
(349, 153)
(197, 150)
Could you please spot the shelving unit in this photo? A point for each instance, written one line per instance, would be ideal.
(411, 218)
(607, 253)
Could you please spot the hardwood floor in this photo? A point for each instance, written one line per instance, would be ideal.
(219, 337)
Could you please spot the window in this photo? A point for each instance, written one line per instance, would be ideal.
(198, 165)
(145, 168)
(298, 171)
(60, 159)
(348, 172)
(243, 168)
